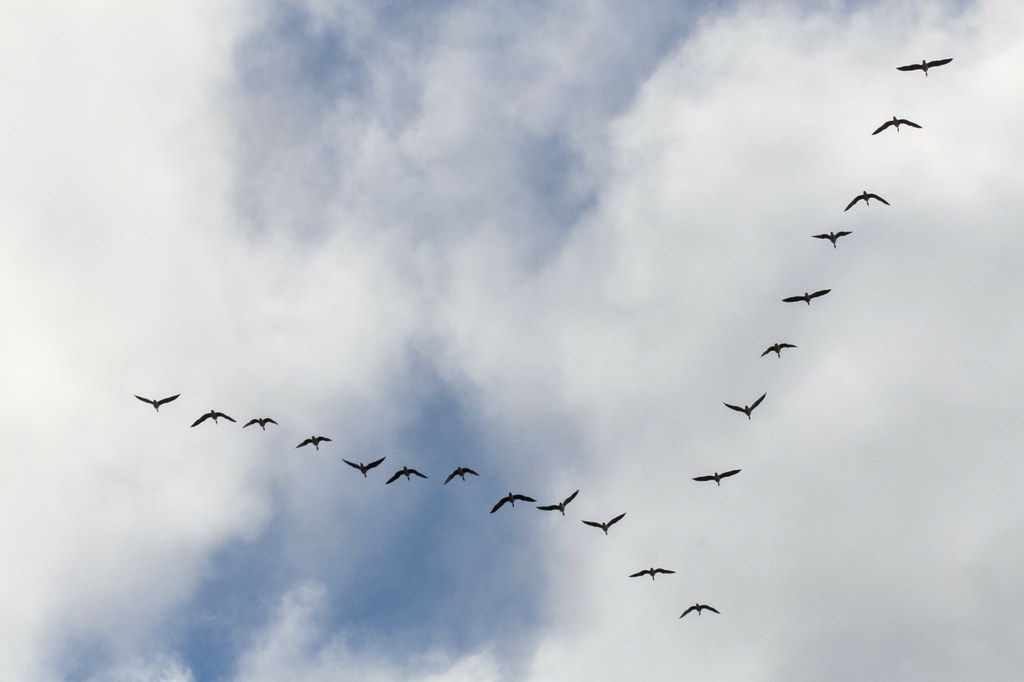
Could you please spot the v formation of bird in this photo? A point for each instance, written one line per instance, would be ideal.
(511, 499)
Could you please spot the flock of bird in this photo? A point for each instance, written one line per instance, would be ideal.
(512, 498)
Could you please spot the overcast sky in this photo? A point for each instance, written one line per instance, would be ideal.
(546, 241)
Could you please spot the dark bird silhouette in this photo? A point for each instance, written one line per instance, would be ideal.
(650, 571)
(866, 196)
(511, 499)
(717, 477)
(832, 236)
(215, 415)
(777, 349)
(461, 473)
(806, 297)
(314, 441)
(262, 421)
(561, 505)
(698, 608)
(896, 122)
(924, 65)
(404, 471)
(746, 409)
(605, 526)
(364, 467)
(157, 403)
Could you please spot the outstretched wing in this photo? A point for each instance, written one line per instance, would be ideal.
(224, 416)
(910, 67)
(250, 423)
(595, 524)
(663, 570)
(729, 473)
(712, 609)
(376, 463)
(413, 471)
(147, 400)
(549, 507)
(165, 400)
(909, 123)
(308, 441)
(570, 498)
(268, 420)
(498, 506)
(692, 608)
(451, 476)
(393, 478)
(524, 498)
(939, 62)
(855, 200)
(733, 407)
(821, 292)
(640, 573)
(352, 464)
(875, 196)
(843, 233)
(882, 127)
(786, 345)
(758, 401)
(615, 520)
(703, 478)
(201, 419)
(822, 236)
(790, 299)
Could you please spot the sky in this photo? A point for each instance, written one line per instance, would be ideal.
(546, 241)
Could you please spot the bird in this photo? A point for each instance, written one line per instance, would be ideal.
(215, 415)
(157, 403)
(650, 571)
(404, 471)
(895, 122)
(461, 473)
(746, 409)
(605, 526)
(364, 467)
(924, 65)
(700, 607)
(777, 349)
(806, 297)
(262, 421)
(866, 196)
(561, 505)
(314, 441)
(717, 477)
(511, 499)
(832, 236)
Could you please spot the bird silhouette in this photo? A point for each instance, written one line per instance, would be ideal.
(895, 122)
(262, 421)
(650, 571)
(605, 526)
(364, 467)
(866, 196)
(511, 499)
(777, 349)
(461, 473)
(561, 505)
(404, 471)
(717, 477)
(806, 298)
(157, 403)
(698, 608)
(924, 65)
(746, 409)
(314, 441)
(212, 414)
(832, 236)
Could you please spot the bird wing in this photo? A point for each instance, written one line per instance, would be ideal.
(146, 400)
(663, 570)
(733, 407)
(882, 127)
(909, 123)
(570, 498)
(703, 478)
(729, 473)
(821, 292)
(469, 471)
(790, 299)
(201, 419)
(786, 345)
(875, 196)
(855, 200)
(768, 350)
(616, 519)
(270, 421)
(843, 233)
(352, 464)
(595, 524)
(375, 463)
(640, 573)
(758, 401)
(524, 498)
(498, 506)
(224, 416)
(413, 471)
(451, 476)
(250, 423)
(549, 507)
(909, 67)
(712, 609)
(822, 236)
(308, 441)
(323, 438)
(393, 478)
(692, 608)
(939, 62)
(165, 400)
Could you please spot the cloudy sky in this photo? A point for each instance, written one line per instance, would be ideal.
(542, 240)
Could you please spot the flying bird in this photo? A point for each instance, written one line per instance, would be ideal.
(866, 196)
(215, 415)
(314, 441)
(832, 236)
(157, 403)
(461, 473)
(806, 297)
(924, 65)
(896, 122)
(746, 409)
(262, 421)
(364, 467)
(777, 349)
(561, 505)
(698, 608)
(650, 571)
(404, 471)
(511, 499)
(605, 526)
(717, 477)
